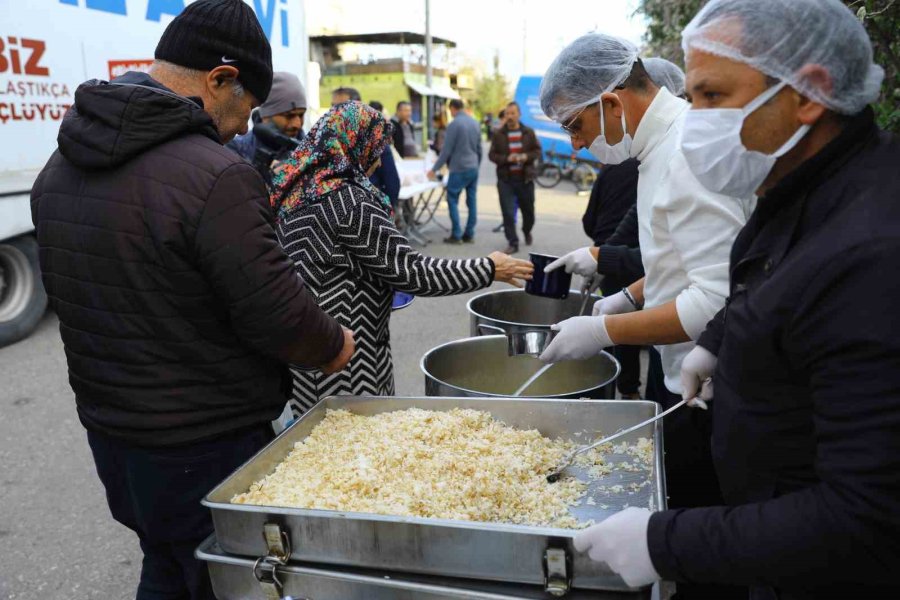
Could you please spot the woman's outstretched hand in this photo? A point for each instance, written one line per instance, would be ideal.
(513, 271)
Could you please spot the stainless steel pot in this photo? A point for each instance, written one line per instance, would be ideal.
(514, 309)
(524, 318)
(481, 366)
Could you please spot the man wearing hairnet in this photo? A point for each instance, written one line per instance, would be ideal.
(610, 220)
(806, 359)
(600, 92)
(665, 74)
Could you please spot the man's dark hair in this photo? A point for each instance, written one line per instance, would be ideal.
(457, 104)
(638, 80)
(403, 103)
(516, 104)
(377, 105)
(353, 93)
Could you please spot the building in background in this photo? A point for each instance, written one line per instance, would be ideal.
(396, 74)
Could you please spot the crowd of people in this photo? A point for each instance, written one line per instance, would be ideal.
(744, 227)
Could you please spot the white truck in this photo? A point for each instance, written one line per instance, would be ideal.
(49, 47)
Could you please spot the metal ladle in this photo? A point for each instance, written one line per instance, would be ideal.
(567, 462)
(532, 379)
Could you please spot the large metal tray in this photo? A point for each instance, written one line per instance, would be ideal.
(499, 552)
(232, 579)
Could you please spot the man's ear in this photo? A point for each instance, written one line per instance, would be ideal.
(613, 104)
(221, 78)
(808, 110)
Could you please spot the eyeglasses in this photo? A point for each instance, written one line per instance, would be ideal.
(567, 127)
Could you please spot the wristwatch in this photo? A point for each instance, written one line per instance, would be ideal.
(631, 299)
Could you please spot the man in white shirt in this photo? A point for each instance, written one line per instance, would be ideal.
(599, 91)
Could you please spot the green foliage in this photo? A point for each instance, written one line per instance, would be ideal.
(881, 18)
(491, 94)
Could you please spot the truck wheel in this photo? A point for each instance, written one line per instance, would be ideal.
(22, 296)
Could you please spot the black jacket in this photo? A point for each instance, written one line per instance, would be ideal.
(178, 309)
(806, 423)
(611, 222)
(398, 134)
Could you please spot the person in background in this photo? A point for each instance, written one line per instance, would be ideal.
(404, 131)
(280, 125)
(665, 74)
(611, 222)
(386, 178)
(515, 149)
(598, 89)
(802, 373)
(178, 309)
(339, 231)
(486, 122)
(345, 94)
(440, 132)
(462, 154)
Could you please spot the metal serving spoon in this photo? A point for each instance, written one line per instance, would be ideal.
(532, 379)
(570, 458)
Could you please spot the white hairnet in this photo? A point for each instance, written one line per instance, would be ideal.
(665, 74)
(781, 37)
(591, 65)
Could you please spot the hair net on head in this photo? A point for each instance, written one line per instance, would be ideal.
(591, 65)
(784, 38)
(665, 74)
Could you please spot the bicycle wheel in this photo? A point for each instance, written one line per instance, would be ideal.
(548, 175)
(584, 177)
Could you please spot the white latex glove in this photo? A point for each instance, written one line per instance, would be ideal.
(578, 338)
(580, 262)
(617, 304)
(621, 542)
(589, 285)
(696, 377)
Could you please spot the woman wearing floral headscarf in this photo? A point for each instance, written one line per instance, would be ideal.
(338, 229)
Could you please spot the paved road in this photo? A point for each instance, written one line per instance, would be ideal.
(57, 539)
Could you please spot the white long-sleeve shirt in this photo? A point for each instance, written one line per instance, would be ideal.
(686, 231)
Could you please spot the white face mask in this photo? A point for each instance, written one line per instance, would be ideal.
(711, 143)
(611, 155)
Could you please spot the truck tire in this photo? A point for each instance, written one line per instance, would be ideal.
(22, 296)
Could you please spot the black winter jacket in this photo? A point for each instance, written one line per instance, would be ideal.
(178, 308)
(611, 222)
(806, 423)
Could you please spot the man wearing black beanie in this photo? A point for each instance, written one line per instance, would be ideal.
(178, 309)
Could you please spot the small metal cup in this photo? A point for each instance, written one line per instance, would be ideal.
(528, 341)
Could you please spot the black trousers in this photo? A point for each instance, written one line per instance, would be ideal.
(511, 190)
(156, 493)
(691, 479)
(629, 381)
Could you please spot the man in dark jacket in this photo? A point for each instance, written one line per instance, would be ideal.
(404, 131)
(386, 178)
(806, 356)
(279, 128)
(515, 149)
(178, 309)
(613, 196)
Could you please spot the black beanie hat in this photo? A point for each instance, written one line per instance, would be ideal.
(211, 33)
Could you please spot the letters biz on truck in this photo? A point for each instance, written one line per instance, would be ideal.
(29, 100)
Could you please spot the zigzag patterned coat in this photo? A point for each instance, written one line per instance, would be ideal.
(352, 258)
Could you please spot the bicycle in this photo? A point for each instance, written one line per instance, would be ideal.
(581, 172)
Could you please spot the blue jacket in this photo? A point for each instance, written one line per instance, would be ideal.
(386, 178)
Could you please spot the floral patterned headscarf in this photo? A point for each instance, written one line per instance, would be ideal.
(340, 148)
